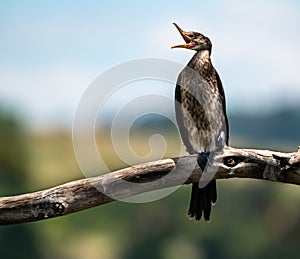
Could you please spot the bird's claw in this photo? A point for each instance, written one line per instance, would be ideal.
(204, 159)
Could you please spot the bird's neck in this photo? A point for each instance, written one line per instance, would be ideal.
(202, 64)
(203, 55)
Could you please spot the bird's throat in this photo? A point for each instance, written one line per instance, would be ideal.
(203, 54)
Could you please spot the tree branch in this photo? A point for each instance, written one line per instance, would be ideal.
(86, 193)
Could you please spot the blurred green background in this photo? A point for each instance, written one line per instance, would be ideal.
(52, 50)
(252, 219)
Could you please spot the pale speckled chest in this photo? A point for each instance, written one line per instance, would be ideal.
(200, 108)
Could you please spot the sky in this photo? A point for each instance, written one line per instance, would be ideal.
(51, 51)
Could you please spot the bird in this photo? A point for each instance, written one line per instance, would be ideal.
(200, 109)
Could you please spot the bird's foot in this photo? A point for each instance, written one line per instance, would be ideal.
(204, 159)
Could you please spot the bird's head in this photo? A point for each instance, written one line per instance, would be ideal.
(193, 40)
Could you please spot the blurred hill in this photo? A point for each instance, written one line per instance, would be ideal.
(252, 219)
(279, 130)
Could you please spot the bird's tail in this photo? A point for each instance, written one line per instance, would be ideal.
(201, 200)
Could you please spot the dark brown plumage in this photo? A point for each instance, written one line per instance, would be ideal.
(201, 115)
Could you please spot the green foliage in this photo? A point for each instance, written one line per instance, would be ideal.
(12, 155)
(15, 241)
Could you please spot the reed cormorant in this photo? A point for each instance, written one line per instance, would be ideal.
(201, 116)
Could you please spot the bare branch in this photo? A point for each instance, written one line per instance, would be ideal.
(86, 193)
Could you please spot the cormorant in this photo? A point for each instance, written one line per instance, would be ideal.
(201, 116)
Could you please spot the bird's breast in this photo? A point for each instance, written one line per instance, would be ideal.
(202, 110)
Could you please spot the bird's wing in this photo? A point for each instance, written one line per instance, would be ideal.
(222, 94)
(180, 118)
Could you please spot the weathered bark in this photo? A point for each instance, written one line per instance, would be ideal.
(86, 193)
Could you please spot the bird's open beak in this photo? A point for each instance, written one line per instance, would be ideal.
(188, 41)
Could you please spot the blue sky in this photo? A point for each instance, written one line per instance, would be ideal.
(50, 51)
